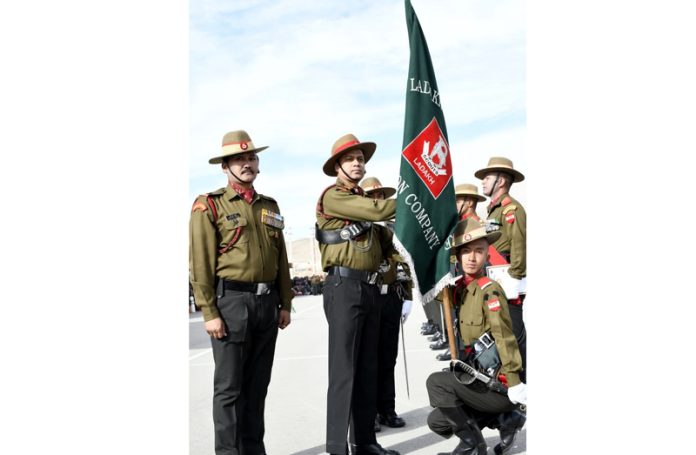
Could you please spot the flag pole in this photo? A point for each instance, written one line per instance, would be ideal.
(447, 305)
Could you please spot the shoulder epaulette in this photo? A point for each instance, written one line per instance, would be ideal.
(509, 208)
(218, 192)
(506, 201)
(267, 197)
(483, 282)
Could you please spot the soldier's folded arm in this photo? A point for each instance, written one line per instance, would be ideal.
(347, 206)
(203, 257)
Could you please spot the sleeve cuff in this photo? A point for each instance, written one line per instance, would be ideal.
(513, 379)
(210, 312)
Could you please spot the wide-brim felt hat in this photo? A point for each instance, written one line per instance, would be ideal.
(343, 145)
(500, 164)
(468, 189)
(234, 143)
(372, 184)
(469, 230)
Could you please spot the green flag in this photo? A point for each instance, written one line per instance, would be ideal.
(425, 208)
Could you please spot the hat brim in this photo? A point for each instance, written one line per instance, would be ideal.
(388, 191)
(221, 158)
(368, 149)
(478, 197)
(492, 237)
(517, 176)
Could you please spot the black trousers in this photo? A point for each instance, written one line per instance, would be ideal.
(352, 311)
(521, 334)
(476, 399)
(387, 350)
(433, 312)
(243, 361)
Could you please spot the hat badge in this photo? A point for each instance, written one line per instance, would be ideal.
(244, 145)
(467, 237)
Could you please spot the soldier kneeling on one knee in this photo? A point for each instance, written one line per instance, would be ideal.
(484, 387)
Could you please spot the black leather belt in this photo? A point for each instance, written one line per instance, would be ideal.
(362, 275)
(254, 288)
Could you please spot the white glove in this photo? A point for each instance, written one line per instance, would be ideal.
(405, 309)
(518, 393)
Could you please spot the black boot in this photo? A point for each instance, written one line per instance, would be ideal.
(378, 427)
(447, 355)
(371, 449)
(510, 424)
(429, 330)
(471, 441)
(439, 344)
(437, 336)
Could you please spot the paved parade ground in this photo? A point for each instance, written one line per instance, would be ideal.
(296, 403)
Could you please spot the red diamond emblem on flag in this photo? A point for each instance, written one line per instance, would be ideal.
(429, 155)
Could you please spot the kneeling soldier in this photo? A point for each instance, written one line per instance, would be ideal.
(464, 403)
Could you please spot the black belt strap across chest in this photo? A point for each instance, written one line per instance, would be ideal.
(335, 236)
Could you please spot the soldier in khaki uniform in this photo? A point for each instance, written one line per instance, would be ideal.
(507, 215)
(351, 251)
(241, 280)
(467, 197)
(462, 408)
(395, 305)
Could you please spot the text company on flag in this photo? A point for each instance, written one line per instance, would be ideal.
(422, 216)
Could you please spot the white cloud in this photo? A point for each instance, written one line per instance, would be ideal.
(299, 74)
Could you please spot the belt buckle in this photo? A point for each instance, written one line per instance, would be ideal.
(486, 340)
(372, 277)
(262, 289)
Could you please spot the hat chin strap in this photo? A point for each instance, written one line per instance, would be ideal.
(495, 183)
(348, 175)
(236, 176)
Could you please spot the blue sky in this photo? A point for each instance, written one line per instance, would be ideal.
(299, 74)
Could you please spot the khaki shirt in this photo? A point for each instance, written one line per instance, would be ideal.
(485, 309)
(257, 255)
(509, 214)
(342, 206)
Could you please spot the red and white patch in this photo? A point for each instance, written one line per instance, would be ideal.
(510, 217)
(429, 156)
(483, 282)
(493, 305)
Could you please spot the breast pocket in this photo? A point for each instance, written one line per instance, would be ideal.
(474, 319)
(234, 232)
(471, 324)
